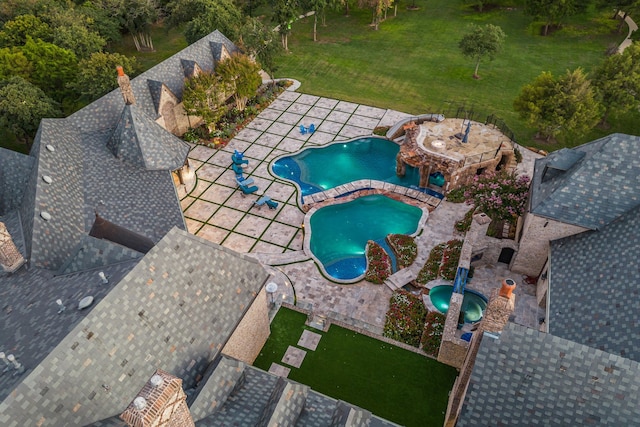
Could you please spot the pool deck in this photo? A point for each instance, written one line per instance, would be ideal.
(216, 209)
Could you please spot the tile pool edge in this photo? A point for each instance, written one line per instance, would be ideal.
(306, 244)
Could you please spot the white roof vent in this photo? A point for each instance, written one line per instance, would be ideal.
(47, 179)
(50, 148)
(140, 403)
(156, 380)
(45, 215)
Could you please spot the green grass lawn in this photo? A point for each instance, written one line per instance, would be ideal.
(393, 383)
(413, 63)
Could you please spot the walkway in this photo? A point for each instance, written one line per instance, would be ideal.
(217, 211)
(632, 27)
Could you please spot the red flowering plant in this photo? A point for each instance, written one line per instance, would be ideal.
(404, 247)
(432, 336)
(502, 195)
(378, 263)
(430, 270)
(405, 318)
(442, 262)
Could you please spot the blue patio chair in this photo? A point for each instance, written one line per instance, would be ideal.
(312, 128)
(303, 130)
(238, 158)
(241, 180)
(237, 169)
(272, 204)
(248, 190)
(266, 200)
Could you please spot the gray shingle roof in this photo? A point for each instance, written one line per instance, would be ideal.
(529, 378)
(139, 140)
(14, 170)
(595, 287)
(590, 185)
(92, 253)
(176, 309)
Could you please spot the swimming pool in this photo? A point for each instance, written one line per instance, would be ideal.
(337, 234)
(473, 303)
(319, 169)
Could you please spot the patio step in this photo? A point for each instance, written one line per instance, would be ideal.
(409, 274)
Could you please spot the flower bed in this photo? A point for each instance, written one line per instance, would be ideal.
(405, 318)
(442, 262)
(378, 263)
(433, 330)
(404, 247)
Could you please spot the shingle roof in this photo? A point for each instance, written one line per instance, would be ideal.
(175, 309)
(14, 170)
(139, 140)
(529, 378)
(590, 185)
(595, 287)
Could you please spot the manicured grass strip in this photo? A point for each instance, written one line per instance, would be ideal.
(393, 383)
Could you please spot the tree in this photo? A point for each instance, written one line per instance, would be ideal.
(285, 13)
(317, 6)
(53, 67)
(138, 15)
(565, 107)
(243, 76)
(502, 195)
(617, 81)
(203, 16)
(14, 63)
(97, 75)
(480, 42)
(14, 32)
(257, 41)
(78, 39)
(22, 106)
(204, 96)
(551, 11)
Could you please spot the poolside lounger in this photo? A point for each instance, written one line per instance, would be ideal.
(237, 169)
(303, 130)
(238, 159)
(312, 128)
(266, 200)
(248, 190)
(241, 180)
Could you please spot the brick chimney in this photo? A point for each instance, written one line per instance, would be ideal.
(125, 86)
(160, 403)
(501, 305)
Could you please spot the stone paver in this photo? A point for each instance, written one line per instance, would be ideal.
(279, 370)
(309, 340)
(216, 210)
(294, 356)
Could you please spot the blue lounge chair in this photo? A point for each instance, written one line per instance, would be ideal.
(237, 169)
(312, 128)
(266, 200)
(241, 180)
(248, 190)
(303, 130)
(238, 159)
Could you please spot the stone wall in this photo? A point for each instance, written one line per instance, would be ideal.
(498, 310)
(464, 175)
(251, 334)
(542, 286)
(453, 350)
(534, 244)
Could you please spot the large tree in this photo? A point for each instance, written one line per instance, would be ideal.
(317, 6)
(53, 67)
(617, 81)
(257, 41)
(14, 63)
(243, 76)
(97, 74)
(482, 42)
(200, 17)
(285, 13)
(22, 106)
(563, 107)
(15, 32)
(138, 15)
(550, 11)
(204, 96)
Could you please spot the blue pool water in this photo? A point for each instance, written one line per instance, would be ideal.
(319, 169)
(473, 303)
(339, 233)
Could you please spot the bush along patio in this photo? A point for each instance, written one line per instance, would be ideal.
(379, 266)
(405, 318)
(442, 262)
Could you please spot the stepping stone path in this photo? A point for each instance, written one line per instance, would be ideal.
(309, 340)
(279, 370)
(294, 356)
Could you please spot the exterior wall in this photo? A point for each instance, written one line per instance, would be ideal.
(465, 175)
(453, 350)
(534, 244)
(249, 337)
(542, 286)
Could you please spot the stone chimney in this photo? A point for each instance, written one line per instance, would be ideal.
(125, 87)
(10, 257)
(501, 305)
(160, 403)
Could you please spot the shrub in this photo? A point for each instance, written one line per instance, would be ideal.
(433, 330)
(457, 195)
(380, 130)
(378, 264)
(518, 154)
(404, 247)
(430, 270)
(502, 196)
(450, 259)
(405, 318)
(465, 223)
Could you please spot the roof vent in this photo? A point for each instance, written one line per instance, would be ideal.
(47, 179)
(139, 403)
(156, 380)
(45, 215)
(50, 148)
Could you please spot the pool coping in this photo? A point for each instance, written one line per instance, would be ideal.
(306, 244)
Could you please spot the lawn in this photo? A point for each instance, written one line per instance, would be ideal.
(393, 383)
(413, 63)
